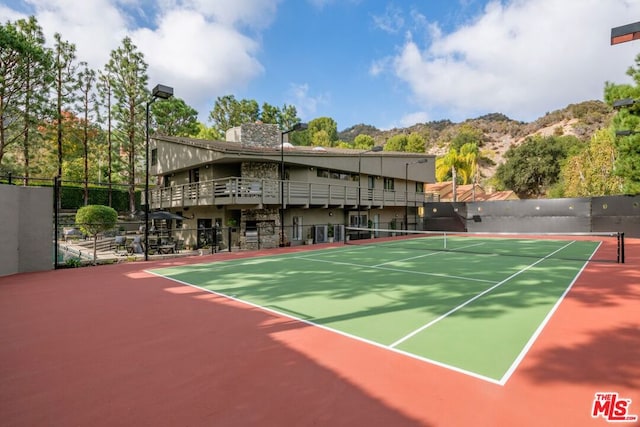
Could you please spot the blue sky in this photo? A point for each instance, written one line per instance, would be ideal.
(384, 63)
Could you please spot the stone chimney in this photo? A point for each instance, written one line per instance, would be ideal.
(255, 134)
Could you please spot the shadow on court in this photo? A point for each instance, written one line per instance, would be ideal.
(113, 345)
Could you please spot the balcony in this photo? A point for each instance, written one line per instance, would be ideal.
(251, 193)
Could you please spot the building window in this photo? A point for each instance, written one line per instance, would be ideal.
(419, 187)
(323, 173)
(297, 228)
(194, 175)
(358, 220)
(371, 182)
(336, 174)
(154, 157)
(389, 184)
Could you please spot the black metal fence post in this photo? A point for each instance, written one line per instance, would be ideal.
(56, 192)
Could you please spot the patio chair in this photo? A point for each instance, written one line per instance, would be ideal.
(120, 243)
(136, 246)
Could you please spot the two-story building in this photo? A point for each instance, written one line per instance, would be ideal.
(267, 190)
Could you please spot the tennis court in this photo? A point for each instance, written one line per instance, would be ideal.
(473, 303)
(116, 345)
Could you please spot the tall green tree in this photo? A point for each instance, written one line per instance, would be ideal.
(466, 134)
(270, 114)
(34, 99)
(463, 164)
(24, 62)
(591, 172)
(86, 107)
(174, 117)
(285, 117)
(105, 115)
(396, 143)
(65, 86)
(627, 119)
(228, 112)
(205, 132)
(531, 168)
(363, 142)
(323, 131)
(415, 143)
(321, 139)
(627, 166)
(288, 117)
(128, 72)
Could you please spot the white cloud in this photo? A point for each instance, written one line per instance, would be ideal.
(306, 105)
(522, 58)
(407, 120)
(413, 118)
(95, 27)
(391, 21)
(257, 14)
(380, 66)
(7, 14)
(200, 59)
(202, 48)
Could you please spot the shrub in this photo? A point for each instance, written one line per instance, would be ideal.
(94, 219)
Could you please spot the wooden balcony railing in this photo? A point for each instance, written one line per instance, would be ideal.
(260, 192)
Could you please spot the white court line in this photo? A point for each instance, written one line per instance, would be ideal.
(327, 328)
(469, 301)
(542, 325)
(500, 382)
(439, 251)
(398, 270)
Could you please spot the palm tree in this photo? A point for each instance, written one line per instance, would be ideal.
(462, 164)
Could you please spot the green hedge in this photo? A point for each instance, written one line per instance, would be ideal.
(73, 197)
(73, 194)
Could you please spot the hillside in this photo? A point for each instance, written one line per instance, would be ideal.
(499, 132)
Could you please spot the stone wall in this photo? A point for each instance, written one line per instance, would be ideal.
(260, 170)
(255, 134)
(267, 221)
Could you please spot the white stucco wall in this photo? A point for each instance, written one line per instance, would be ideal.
(26, 227)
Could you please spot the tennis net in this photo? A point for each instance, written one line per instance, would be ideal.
(587, 246)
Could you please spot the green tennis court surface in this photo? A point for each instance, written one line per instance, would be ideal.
(476, 313)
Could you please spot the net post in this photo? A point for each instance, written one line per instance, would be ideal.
(621, 248)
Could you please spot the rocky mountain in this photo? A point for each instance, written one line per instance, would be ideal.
(498, 132)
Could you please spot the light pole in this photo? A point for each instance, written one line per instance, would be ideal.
(625, 33)
(162, 92)
(624, 102)
(296, 127)
(374, 149)
(626, 132)
(406, 181)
